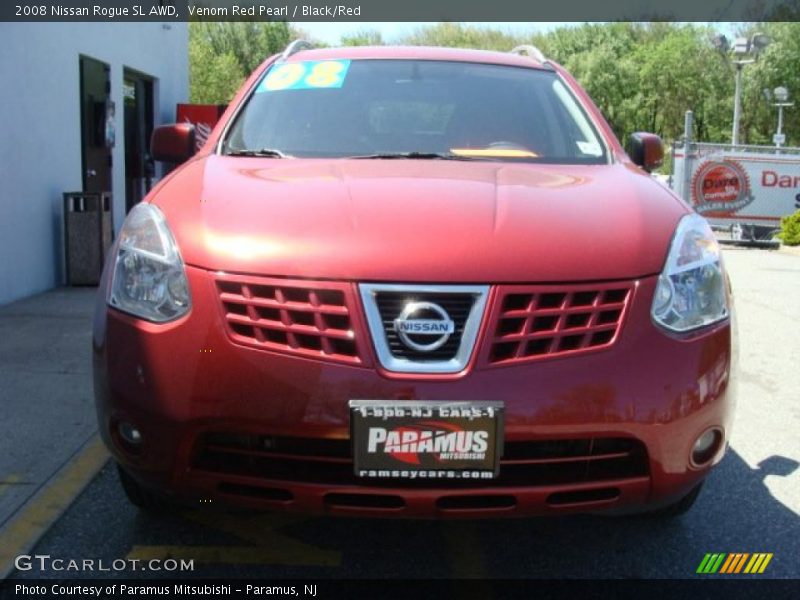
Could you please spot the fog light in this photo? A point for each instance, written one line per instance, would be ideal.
(706, 447)
(129, 433)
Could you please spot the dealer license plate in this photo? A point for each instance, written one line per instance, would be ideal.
(426, 440)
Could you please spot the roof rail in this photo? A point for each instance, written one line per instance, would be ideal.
(295, 47)
(532, 51)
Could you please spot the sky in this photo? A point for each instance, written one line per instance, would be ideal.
(330, 33)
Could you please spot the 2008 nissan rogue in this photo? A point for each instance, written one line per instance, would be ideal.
(414, 282)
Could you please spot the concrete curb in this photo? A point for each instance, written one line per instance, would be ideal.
(794, 250)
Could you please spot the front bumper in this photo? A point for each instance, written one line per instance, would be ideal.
(606, 431)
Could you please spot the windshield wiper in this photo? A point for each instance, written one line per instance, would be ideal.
(265, 152)
(420, 155)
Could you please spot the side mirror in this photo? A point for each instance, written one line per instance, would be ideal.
(173, 143)
(646, 150)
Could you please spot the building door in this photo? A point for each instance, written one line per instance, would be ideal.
(138, 94)
(96, 131)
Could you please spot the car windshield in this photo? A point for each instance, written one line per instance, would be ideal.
(413, 109)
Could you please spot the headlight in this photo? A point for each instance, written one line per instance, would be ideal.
(691, 289)
(149, 280)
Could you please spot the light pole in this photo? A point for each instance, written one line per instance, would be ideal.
(737, 99)
(745, 51)
(782, 97)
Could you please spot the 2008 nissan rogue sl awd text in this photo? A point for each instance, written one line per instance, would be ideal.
(414, 282)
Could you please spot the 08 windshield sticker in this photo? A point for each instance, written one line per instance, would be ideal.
(306, 75)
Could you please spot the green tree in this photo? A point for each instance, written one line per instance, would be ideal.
(222, 55)
(251, 43)
(790, 229)
(680, 71)
(213, 78)
(457, 35)
(364, 37)
(645, 76)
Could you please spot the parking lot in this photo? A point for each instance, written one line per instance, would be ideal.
(750, 503)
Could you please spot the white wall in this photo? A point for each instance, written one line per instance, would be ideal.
(40, 134)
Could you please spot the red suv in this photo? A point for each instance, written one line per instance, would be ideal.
(414, 282)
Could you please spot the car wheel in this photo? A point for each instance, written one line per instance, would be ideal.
(140, 496)
(678, 508)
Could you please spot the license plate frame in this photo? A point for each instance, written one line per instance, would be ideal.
(387, 439)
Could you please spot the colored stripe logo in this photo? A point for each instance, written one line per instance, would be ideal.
(734, 563)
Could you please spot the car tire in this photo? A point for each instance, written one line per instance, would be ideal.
(678, 508)
(140, 496)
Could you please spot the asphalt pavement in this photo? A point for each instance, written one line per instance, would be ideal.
(48, 425)
(750, 503)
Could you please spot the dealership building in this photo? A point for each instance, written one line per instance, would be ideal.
(79, 103)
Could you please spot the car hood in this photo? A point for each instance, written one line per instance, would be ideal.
(418, 220)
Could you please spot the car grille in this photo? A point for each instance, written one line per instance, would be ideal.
(457, 306)
(312, 319)
(319, 319)
(524, 463)
(535, 322)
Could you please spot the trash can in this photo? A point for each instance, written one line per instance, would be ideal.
(88, 233)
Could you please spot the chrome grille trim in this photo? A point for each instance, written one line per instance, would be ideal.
(458, 363)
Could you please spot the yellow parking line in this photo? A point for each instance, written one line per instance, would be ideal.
(35, 518)
(268, 546)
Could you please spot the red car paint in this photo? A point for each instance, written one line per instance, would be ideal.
(512, 227)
